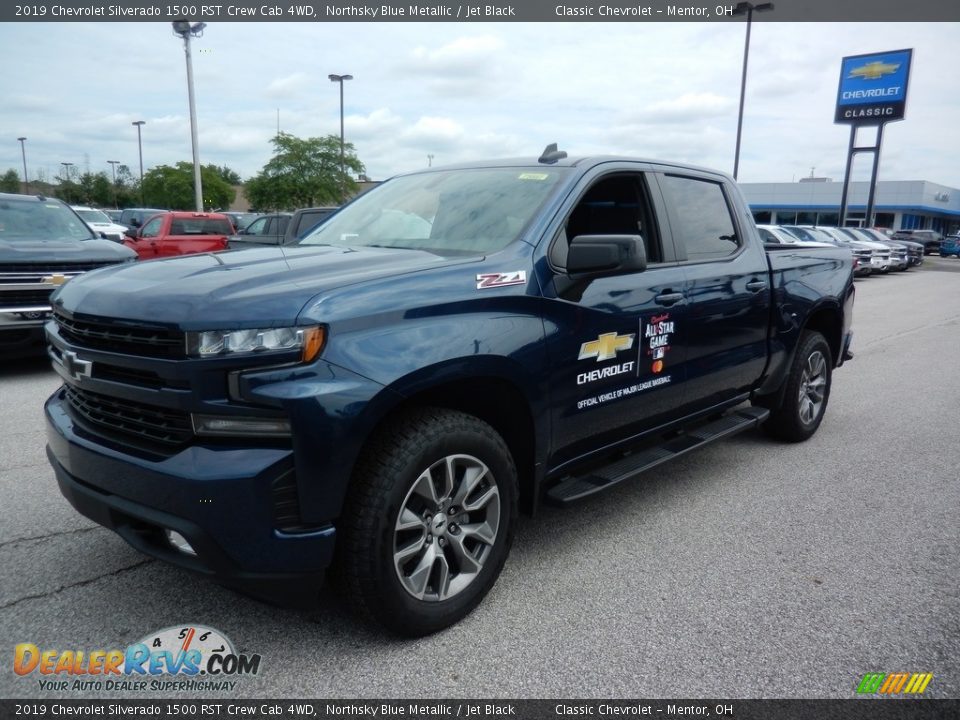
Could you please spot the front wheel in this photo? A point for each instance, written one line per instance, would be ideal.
(807, 391)
(428, 522)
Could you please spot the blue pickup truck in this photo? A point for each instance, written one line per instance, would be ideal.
(378, 403)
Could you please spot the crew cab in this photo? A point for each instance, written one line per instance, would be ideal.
(180, 233)
(43, 244)
(455, 346)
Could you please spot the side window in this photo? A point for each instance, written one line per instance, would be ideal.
(700, 220)
(152, 228)
(257, 227)
(614, 205)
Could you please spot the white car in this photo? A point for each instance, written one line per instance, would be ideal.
(100, 222)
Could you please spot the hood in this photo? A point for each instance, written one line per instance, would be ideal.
(62, 251)
(261, 287)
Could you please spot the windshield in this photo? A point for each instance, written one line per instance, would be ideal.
(94, 216)
(453, 211)
(22, 220)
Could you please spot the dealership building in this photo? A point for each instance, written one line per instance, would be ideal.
(898, 204)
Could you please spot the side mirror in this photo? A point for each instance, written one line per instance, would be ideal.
(133, 233)
(606, 255)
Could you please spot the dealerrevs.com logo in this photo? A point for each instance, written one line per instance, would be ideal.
(186, 657)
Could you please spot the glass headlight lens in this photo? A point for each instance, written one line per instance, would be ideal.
(209, 343)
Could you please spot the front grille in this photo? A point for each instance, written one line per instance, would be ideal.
(52, 267)
(24, 298)
(129, 419)
(135, 340)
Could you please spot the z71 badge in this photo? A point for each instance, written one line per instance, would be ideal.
(492, 280)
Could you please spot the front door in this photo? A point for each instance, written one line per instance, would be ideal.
(615, 344)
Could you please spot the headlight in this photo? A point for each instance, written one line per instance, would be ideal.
(210, 343)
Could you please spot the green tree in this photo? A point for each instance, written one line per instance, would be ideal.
(172, 187)
(94, 189)
(10, 182)
(304, 173)
(228, 175)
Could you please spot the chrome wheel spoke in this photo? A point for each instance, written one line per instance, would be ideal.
(409, 520)
(472, 476)
(425, 488)
(417, 581)
(403, 554)
(489, 495)
(480, 531)
(467, 562)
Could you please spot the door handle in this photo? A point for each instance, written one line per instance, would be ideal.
(668, 298)
(756, 286)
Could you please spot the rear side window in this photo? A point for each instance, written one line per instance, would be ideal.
(700, 217)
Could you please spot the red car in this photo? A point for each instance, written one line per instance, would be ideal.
(180, 233)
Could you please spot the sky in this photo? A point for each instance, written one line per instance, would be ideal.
(462, 92)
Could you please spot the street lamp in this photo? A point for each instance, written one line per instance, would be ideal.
(429, 159)
(745, 8)
(69, 189)
(23, 150)
(186, 31)
(343, 171)
(139, 124)
(113, 166)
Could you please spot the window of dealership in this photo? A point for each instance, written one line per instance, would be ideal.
(899, 204)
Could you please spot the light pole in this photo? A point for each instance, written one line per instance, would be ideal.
(69, 188)
(26, 181)
(745, 8)
(139, 124)
(113, 166)
(185, 30)
(343, 171)
(430, 160)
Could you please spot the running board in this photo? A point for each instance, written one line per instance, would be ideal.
(571, 489)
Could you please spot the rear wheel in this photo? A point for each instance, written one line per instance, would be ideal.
(807, 391)
(428, 522)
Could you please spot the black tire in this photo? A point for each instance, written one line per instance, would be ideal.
(798, 416)
(450, 567)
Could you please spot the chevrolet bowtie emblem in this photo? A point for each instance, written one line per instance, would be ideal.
(874, 70)
(55, 279)
(75, 367)
(605, 347)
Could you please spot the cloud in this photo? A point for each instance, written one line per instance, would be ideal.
(290, 86)
(687, 108)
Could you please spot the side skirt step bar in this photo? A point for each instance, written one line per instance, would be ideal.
(571, 489)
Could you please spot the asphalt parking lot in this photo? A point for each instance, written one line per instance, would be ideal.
(750, 569)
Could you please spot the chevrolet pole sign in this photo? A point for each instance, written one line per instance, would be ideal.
(873, 88)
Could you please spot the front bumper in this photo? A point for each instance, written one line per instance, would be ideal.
(221, 499)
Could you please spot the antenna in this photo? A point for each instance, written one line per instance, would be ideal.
(551, 154)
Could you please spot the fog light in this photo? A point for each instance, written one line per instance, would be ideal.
(179, 542)
(226, 425)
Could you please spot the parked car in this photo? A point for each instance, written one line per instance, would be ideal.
(930, 239)
(776, 235)
(240, 220)
(914, 250)
(114, 215)
(950, 246)
(101, 223)
(385, 403)
(180, 233)
(880, 251)
(868, 259)
(899, 257)
(283, 228)
(43, 244)
(135, 217)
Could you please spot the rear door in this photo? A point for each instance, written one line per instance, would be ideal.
(727, 287)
